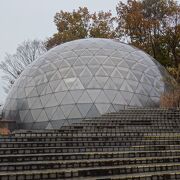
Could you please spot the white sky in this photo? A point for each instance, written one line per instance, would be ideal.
(33, 19)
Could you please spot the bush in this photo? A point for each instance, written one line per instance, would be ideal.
(171, 99)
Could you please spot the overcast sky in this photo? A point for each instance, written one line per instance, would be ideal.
(33, 19)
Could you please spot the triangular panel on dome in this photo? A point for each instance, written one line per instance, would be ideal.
(78, 69)
(68, 99)
(85, 98)
(111, 94)
(119, 99)
(101, 81)
(108, 62)
(77, 85)
(137, 74)
(116, 73)
(31, 101)
(93, 112)
(63, 71)
(118, 107)
(139, 67)
(123, 64)
(93, 61)
(101, 59)
(143, 99)
(103, 108)
(130, 63)
(126, 87)
(119, 54)
(64, 64)
(28, 90)
(53, 85)
(86, 72)
(61, 86)
(118, 82)
(76, 94)
(28, 118)
(93, 84)
(58, 114)
(93, 68)
(116, 60)
(50, 74)
(56, 76)
(47, 67)
(69, 82)
(52, 101)
(40, 88)
(135, 101)
(59, 96)
(104, 52)
(21, 93)
(123, 71)
(42, 117)
(67, 109)
(133, 84)
(108, 69)
(37, 103)
(154, 92)
(93, 93)
(84, 109)
(66, 123)
(33, 93)
(23, 114)
(71, 60)
(127, 96)
(85, 59)
(44, 99)
(145, 80)
(110, 85)
(140, 90)
(78, 62)
(75, 113)
(50, 111)
(57, 123)
(102, 98)
(35, 113)
(49, 126)
(85, 81)
(70, 74)
(101, 72)
(111, 109)
(84, 52)
(131, 76)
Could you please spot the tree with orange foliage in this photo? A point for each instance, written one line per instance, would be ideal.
(153, 26)
(81, 24)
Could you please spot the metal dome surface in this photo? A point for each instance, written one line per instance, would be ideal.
(82, 79)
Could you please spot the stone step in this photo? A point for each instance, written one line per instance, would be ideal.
(90, 172)
(34, 150)
(59, 133)
(88, 143)
(93, 138)
(84, 163)
(159, 175)
(86, 155)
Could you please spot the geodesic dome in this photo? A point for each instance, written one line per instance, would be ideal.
(82, 79)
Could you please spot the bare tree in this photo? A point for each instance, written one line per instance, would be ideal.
(14, 64)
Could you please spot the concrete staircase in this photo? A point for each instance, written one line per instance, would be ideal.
(133, 144)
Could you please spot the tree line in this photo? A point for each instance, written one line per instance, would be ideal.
(151, 25)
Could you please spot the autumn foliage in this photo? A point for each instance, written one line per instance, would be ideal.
(81, 24)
